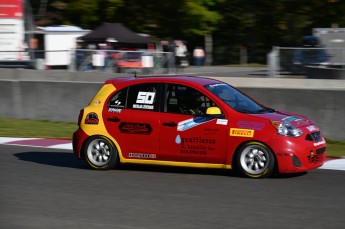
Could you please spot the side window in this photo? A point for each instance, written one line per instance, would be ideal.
(119, 99)
(186, 100)
(143, 97)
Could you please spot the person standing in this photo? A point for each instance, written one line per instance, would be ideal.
(181, 54)
(199, 56)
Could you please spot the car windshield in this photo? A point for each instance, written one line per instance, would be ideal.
(237, 100)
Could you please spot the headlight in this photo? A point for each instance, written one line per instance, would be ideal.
(286, 129)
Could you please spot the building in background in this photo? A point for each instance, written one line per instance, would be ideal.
(334, 40)
(56, 45)
(16, 26)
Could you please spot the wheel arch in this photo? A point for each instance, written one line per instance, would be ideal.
(82, 153)
(237, 151)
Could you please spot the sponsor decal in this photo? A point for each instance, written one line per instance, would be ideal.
(135, 128)
(97, 102)
(198, 150)
(102, 94)
(178, 139)
(92, 118)
(241, 132)
(320, 143)
(211, 131)
(195, 145)
(251, 125)
(143, 106)
(222, 122)
(117, 103)
(312, 128)
(146, 97)
(193, 122)
(198, 140)
(144, 100)
(216, 85)
(142, 155)
(114, 110)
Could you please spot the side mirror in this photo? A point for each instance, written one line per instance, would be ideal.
(214, 112)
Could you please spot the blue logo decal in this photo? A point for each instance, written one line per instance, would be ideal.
(193, 122)
(178, 139)
(251, 125)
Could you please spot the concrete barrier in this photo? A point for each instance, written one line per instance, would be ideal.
(317, 72)
(59, 95)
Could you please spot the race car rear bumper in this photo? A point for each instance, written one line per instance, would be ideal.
(79, 137)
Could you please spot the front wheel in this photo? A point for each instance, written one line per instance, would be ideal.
(100, 153)
(255, 160)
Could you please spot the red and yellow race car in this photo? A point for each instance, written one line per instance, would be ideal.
(193, 122)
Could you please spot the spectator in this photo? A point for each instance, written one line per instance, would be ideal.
(198, 55)
(181, 54)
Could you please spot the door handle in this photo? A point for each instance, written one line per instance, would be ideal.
(169, 124)
(114, 119)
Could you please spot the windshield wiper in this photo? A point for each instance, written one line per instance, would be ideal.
(266, 109)
(244, 111)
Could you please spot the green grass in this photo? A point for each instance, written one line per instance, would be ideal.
(36, 129)
(46, 129)
(335, 148)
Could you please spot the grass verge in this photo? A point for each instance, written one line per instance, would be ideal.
(47, 129)
(36, 129)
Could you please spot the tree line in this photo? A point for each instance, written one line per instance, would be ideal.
(251, 25)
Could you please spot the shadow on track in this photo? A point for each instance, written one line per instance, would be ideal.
(60, 159)
(177, 170)
(199, 171)
(65, 159)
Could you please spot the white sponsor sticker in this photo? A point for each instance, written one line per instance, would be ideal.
(222, 122)
(114, 110)
(320, 143)
(312, 128)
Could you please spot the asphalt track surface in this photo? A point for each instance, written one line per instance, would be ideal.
(50, 188)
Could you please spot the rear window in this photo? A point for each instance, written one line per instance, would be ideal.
(119, 99)
(143, 97)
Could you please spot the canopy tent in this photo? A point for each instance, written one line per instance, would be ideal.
(114, 32)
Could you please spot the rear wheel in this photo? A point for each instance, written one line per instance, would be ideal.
(255, 160)
(100, 153)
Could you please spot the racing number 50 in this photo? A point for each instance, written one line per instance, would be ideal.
(145, 97)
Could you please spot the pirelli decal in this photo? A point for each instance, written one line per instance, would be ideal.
(246, 133)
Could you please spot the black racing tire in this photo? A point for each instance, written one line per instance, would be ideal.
(100, 153)
(255, 160)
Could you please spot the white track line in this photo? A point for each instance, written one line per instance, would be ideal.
(336, 164)
(61, 146)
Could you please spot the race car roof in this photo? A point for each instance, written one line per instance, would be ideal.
(193, 80)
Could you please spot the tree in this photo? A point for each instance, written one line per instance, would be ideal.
(234, 24)
(91, 13)
(168, 19)
(261, 24)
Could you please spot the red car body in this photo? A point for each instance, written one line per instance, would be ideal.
(146, 126)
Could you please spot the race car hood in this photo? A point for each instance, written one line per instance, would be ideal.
(288, 117)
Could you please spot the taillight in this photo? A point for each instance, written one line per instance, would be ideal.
(81, 114)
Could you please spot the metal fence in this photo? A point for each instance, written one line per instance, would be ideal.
(87, 60)
(284, 60)
(143, 62)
